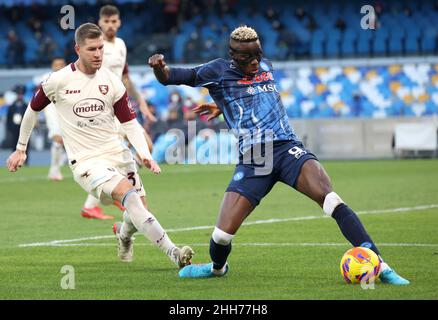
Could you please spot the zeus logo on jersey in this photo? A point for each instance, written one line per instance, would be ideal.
(88, 108)
(67, 91)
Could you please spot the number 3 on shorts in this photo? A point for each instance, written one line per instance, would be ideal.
(131, 177)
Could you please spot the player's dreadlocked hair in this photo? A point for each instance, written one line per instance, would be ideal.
(244, 34)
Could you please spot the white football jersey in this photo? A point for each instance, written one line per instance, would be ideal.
(86, 106)
(114, 56)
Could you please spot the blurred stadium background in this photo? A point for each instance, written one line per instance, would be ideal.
(349, 92)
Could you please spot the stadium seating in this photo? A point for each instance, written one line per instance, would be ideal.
(374, 91)
(325, 30)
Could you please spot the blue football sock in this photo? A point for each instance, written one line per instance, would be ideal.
(219, 254)
(352, 229)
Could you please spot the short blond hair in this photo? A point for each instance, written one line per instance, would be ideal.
(87, 31)
(244, 34)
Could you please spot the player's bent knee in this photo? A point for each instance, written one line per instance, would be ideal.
(116, 187)
(331, 201)
(221, 237)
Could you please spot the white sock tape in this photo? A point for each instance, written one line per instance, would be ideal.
(221, 237)
(331, 201)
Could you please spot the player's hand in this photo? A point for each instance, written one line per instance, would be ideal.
(157, 61)
(146, 112)
(208, 108)
(152, 165)
(16, 160)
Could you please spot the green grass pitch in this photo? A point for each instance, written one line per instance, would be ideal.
(294, 257)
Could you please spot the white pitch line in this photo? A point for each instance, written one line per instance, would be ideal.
(303, 218)
(258, 244)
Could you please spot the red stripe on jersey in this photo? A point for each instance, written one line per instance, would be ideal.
(73, 67)
(123, 109)
(39, 100)
(125, 69)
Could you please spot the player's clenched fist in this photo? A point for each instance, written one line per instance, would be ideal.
(157, 61)
(161, 71)
(16, 160)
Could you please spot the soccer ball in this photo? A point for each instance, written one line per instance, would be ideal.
(360, 265)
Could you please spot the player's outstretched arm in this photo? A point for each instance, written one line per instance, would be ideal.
(166, 75)
(138, 141)
(208, 108)
(134, 132)
(136, 137)
(18, 157)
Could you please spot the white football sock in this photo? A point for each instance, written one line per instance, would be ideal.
(56, 152)
(128, 228)
(221, 271)
(383, 265)
(91, 202)
(146, 223)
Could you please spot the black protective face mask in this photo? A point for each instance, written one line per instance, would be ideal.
(244, 58)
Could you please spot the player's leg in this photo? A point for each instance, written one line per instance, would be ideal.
(57, 147)
(56, 157)
(143, 220)
(92, 210)
(126, 228)
(243, 194)
(234, 210)
(314, 182)
(138, 218)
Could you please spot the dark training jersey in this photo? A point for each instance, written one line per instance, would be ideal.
(251, 106)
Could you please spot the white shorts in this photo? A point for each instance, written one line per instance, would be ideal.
(93, 173)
